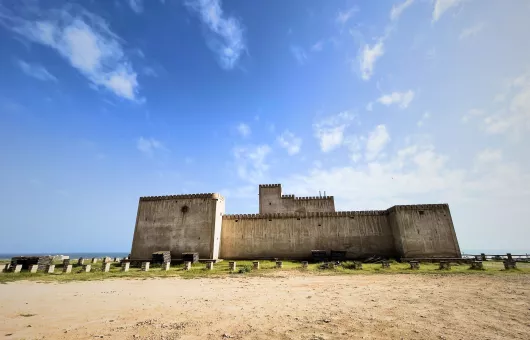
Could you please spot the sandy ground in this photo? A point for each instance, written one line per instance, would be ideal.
(292, 307)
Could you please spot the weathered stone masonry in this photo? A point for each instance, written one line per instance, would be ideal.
(289, 227)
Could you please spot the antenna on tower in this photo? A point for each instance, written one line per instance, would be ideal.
(319, 194)
(324, 193)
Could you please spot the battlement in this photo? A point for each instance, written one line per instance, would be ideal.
(185, 196)
(288, 196)
(270, 185)
(418, 207)
(314, 198)
(305, 215)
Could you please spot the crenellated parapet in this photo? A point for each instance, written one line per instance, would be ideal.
(418, 207)
(287, 196)
(313, 198)
(305, 215)
(270, 185)
(185, 196)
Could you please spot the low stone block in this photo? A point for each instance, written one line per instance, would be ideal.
(357, 265)
(510, 258)
(385, 264)
(232, 266)
(510, 264)
(33, 268)
(105, 267)
(477, 265)
(255, 265)
(6, 267)
(67, 268)
(483, 256)
(117, 259)
(209, 265)
(145, 266)
(187, 265)
(66, 262)
(444, 265)
(80, 261)
(87, 268)
(305, 264)
(106, 259)
(18, 268)
(414, 265)
(125, 266)
(50, 268)
(279, 264)
(94, 260)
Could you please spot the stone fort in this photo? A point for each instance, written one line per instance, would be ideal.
(289, 227)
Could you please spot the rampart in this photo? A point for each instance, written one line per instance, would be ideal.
(271, 200)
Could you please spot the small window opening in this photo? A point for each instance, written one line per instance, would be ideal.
(184, 209)
(418, 231)
(237, 220)
(421, 212)
(298, 219)
(320, 225)
(270, 220)
(352, 217)
(270, 203)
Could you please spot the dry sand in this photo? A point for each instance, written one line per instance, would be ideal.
(291, 307)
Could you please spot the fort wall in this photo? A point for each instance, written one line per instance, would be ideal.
(179, 223)
(294, 235)
(271, 201)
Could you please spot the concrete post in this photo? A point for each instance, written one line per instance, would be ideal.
(94, 260)
(18, 268)
(385, 264)
(145, 266)
(256, 265)
(125, 266)
(279, 264)
(67, 268)
(477, 265)
(510, 264)
(232, 265)
(187, 265)
(117, 259)
(80, 261)
(106, 259)
(483, 256)
(445, 265)
(166, 266)
(414, 265)
(87, 268)
(6, 267)
(66, 262)
(305, 264)
(209, 265)
(50, 268)
(33, 268)
(105, 267)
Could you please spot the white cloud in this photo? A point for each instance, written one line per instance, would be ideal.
(425, 116)
(36, 71)
(441, 6)
(471, 31)
(344, 16)
(136, 5)
(148, 145)
(330, 131)
(299, 54)
(251, 163)
(472, 113)
(397, 9)
(290, 142)
(403, 99)
(227, 39)
(376, 142)
(368, 58)
(489, 156)
(86, 41)
(244, 129)
(318, 46)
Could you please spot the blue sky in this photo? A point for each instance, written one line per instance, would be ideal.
(376, 102)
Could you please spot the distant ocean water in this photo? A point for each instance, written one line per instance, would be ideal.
(72, 255)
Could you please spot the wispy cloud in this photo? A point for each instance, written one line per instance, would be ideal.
(402, 99)
(318, 46)
(290, 142)
(330, 131)
(137, 5)
(423, 119)
(442, 6)
(299, 54)
(344, 16)
(376, 142)
(148, 145)
(471, 31)
(227, 32)
(244, 129)
(397, 9)
(36, 71)
(85, 40)
(369, 56)
(251, 162)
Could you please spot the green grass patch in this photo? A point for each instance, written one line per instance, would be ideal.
(245, 268)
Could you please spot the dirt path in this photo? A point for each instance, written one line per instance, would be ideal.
(295, 307)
